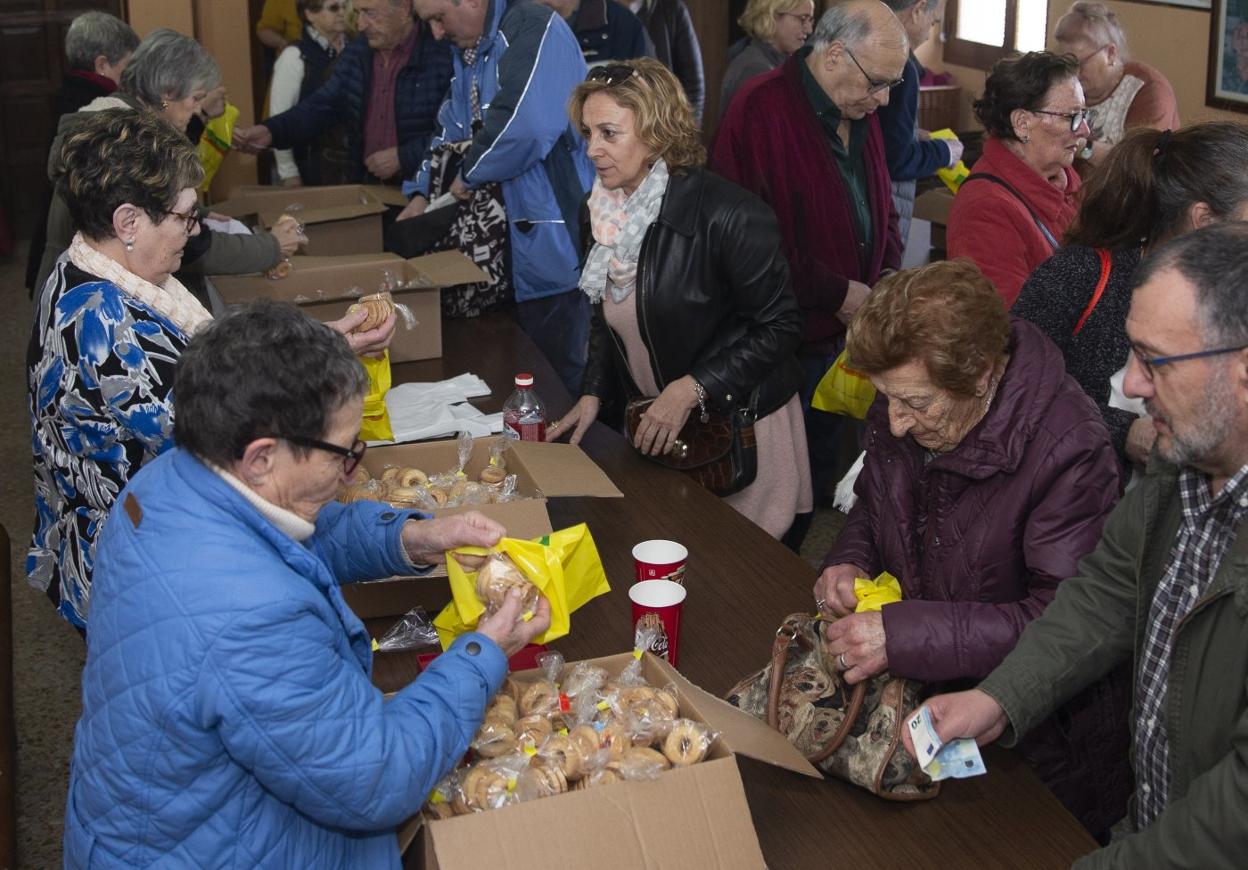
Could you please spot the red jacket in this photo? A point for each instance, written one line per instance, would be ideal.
(981, 539)
(770, 142)
(989, 225)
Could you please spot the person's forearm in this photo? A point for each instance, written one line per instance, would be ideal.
(271, 38)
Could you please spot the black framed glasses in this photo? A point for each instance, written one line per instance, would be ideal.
(611, 74)
(1076, 117)
(190, 219)
(874, 86)
(350, 456)
(1151, 364)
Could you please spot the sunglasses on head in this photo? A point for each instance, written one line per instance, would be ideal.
(611, 74)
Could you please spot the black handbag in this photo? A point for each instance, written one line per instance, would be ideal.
(717, 449)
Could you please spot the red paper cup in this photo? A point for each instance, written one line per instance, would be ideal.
(660, 560)
(659, 603)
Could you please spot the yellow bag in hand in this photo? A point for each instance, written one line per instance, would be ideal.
(874, 594)
(954, 175)
(844, 390)
(376, 423)
(564, 566)
(215, 142)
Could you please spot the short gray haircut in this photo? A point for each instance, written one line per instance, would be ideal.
(845, 23)
(1215, 259)
(168, 65)
(1094, 20)
(900, 6)
(97, 33)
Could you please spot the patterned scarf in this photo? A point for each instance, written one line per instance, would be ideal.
(620, 222)
(171, 301)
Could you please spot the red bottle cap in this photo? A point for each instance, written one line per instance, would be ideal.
(524, 380)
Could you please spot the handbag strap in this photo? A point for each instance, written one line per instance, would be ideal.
(1044, 230)
(1107, 265)
(787, 633)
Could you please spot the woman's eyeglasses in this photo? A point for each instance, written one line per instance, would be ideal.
(611, 74)
(331, 8)
(804, 20)
(1076, 117)
(874, 86)
(350, 457)
(190, 219)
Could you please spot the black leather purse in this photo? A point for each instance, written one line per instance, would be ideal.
(717, 449)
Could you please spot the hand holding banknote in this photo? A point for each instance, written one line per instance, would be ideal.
(944, 734)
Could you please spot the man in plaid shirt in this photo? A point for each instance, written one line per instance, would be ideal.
(1168, 584)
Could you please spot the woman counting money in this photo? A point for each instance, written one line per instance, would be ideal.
(988, 475)
(692, 303)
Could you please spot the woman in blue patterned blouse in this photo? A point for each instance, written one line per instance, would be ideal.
(109, 326)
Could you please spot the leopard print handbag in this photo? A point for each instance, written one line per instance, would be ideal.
(850, 732)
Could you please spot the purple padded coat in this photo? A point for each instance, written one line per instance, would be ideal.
(981, 537)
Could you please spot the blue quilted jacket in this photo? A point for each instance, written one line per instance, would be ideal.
(526, 67)
(418, 92)
(228, 717)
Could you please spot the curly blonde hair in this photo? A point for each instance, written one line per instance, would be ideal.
(759, 17)
(664, 118)
(945, 315)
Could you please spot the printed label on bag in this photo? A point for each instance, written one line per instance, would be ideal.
(652, 622)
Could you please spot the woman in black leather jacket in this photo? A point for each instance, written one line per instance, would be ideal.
(692, 297)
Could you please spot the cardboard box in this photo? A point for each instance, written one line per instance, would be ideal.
(341, 219)
(542, 471)
(694, 817)
(326, 287)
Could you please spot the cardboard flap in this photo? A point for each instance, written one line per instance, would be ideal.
(740, 731)
(694, 818)
(444, 269)
(326, 214)
(564, 470)
(386, 194)
(301, 262)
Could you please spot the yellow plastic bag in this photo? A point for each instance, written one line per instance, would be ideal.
(216, 142)
(564, 566)
(954, 175)
(874, 594)
(376, 423)
(844, 390)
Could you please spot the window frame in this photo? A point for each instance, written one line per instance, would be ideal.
(977, 55)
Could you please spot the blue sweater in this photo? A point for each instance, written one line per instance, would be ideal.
(228, 717)
(607, 31)
(419, 90)
(908, 158)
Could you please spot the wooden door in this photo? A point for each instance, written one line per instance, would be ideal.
(32, 62)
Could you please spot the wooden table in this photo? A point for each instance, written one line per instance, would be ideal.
(741, 585)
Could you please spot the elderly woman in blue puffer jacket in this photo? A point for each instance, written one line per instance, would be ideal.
(228, 716)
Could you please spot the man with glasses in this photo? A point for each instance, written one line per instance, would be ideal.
(1168, 584)
(387, 85)
(516, 64)
(805, 138)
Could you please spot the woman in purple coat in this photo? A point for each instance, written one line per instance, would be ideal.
(988, 475)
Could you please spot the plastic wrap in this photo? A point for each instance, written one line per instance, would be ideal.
(412, 631)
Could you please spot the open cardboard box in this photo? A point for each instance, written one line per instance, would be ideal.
(340, 219)
(326, 287)
(543, 470)
(694, 817)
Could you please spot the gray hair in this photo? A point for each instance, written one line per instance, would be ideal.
(1096, 21)
(168, 65)
(900, 6)
(1215, 259)
(846, 23)
(262, 370)
(97, 33)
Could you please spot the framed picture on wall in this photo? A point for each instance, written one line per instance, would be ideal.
(1226, 86)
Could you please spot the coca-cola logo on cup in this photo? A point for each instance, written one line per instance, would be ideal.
(652, 622)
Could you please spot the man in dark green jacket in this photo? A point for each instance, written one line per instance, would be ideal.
(1168, 583)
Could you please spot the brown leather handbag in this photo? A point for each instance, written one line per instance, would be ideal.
(850, 732)
(716, 449)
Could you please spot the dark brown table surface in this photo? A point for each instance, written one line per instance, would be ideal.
(741, 585)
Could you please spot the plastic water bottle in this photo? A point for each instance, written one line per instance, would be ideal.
(524, 414)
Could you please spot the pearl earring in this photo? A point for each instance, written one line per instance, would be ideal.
(1024, 139)
(164, 104)
(129, 245)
